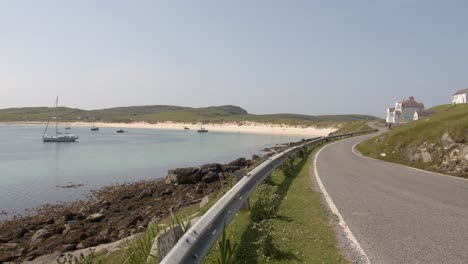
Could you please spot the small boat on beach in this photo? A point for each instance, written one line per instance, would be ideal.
(120, 130)
(94, 128)
(59, 136)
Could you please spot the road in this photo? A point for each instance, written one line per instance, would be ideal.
(396, 214)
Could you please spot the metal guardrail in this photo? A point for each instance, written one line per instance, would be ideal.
(195, 244)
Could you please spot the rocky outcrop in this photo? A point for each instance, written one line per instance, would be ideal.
(448, 157)
(207, 173)
(116, 213)
(184, 175)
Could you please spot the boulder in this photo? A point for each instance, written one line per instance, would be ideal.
(95, 217)
(447, 141)
(426, 156)
(126, 196)
(170, 178)
(68, 216)
(231, 168)
(134, 221)
(166, 192)
(68, 247)
(204, 201)
(8, 246)
(184, 175)
(20, 232)
(74, 236)
(214, 167)
(240, 162)
(144, 194)
(40, 235)
(210, 177)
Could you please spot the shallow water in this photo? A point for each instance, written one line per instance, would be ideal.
(31, 170)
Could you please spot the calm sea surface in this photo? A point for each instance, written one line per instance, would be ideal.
(31, 170)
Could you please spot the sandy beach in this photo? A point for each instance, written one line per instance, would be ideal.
(247, 127)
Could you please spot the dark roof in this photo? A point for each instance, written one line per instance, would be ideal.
(462, 91)
(411, 103)
(425, 112)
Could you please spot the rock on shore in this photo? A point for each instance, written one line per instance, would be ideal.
(115, 212)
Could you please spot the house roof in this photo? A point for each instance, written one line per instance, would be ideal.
(425, 112)
(462, 91)
(411, 103)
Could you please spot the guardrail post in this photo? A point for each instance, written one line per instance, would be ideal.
(238, 175)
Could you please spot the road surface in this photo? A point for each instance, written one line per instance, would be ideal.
(395, 213)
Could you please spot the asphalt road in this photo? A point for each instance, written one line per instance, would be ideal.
(397, 214)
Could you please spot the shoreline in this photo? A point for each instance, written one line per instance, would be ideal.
(115, 212)
(245, 128)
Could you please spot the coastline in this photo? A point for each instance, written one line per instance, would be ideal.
(246, 127)
(114, 212)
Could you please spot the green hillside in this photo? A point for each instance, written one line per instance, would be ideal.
(438, 142)
(161, 113)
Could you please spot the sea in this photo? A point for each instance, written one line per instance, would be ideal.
(33, 173)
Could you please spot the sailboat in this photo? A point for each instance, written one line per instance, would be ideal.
(201, 130)
(59, 136)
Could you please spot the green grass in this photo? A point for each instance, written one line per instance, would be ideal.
(162, 113)
(302, 229)
(353, 127)
(398, 142)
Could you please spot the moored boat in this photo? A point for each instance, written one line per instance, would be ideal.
(59, 136)
(202, 129)
(120, 131)
(94, 128)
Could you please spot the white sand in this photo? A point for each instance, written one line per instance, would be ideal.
(247, 127)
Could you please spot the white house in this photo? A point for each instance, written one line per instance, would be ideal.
(422, 113)
(460, 97)
(403, 111)
(391, 115)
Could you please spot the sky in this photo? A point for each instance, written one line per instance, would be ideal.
(308, 57)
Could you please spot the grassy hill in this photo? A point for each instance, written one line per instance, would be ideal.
(161, 113)
(351, 127)
(438, 142)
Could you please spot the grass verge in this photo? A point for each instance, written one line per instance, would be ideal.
(301, 231)
(353, 127)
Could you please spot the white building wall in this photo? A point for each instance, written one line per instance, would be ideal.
(459, 99)
(390, 118)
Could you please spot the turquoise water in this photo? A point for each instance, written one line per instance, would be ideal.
(30, 170)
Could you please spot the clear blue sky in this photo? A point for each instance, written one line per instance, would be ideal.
(310, 57)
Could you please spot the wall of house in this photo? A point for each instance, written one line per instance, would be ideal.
(407, 113)
(459, 99)
(390, 118)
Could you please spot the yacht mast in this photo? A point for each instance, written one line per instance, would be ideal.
(56, 121)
